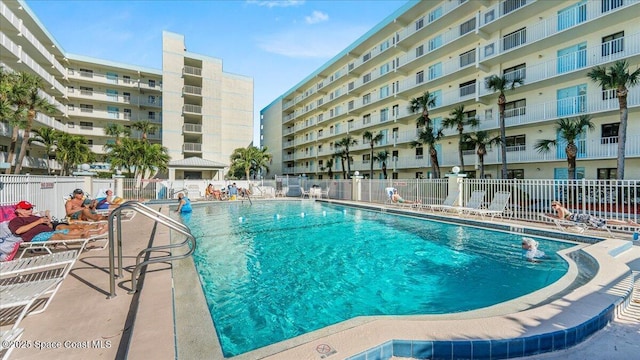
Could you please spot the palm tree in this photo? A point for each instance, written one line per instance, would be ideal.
(459, 120)
(373, 140)
(151, 158)
(480, 140)
(382, 157)
(618, 77)
(72, 150)
(13, 105)
(347, 142)
(261, 160)
(342, 155)
(117, 130)
(569, 129)
(330, 166)
(35, 104)
(249, 159)
(430, 138)
(145, 127)
(47, 137)
(501, 84)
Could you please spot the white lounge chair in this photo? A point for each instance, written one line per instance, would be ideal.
(565, 225)
(448, 202)
(497, 207)
(23, 281)
(8, 337)
(475, 202)
(81, 243)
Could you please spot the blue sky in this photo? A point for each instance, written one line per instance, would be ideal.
(277, 43)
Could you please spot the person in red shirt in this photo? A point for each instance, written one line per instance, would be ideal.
(36, 228)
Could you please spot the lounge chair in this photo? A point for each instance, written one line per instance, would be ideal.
(25, 281)
(497, 207)
(448, 202)
(8, 337)
(390, 191)
(565, 225)
(475, 202)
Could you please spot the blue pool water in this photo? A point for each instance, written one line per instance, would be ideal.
(276, 270)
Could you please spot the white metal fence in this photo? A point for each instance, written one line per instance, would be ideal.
(611, 199)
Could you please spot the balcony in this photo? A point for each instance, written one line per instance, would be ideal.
(191, 148)
(192, 128)
(192, 109)
(192, 71)
(192, 90)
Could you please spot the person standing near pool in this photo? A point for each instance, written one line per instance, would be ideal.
(184, 204)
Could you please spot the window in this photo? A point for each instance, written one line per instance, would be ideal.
(126, 97)
(488, 114)
(366, 57)
(516, 143)
(113, 112)
(514, 39)
(366, 158)
(394, 133)
(394, 155)
(71, 71)
(435, 71)
(384, 45)
(468, 58)
(152, 83)
(331, 129)
(613, 44)
(126, 79)
(467, 26)
(511, 5)
(152, 115)
(366, 119)
(435, 42)
(420, 51)
(468, 88)
(152, 99)
(515, 108)
(366, 99)
(419, 175)
(71, 107)
(4, 148)
(112, 94)
(419, 77)
(515, 72)
(489, 16)
(395, 110)
(419, 23)
(607, 173)
(85, 125)
(384, 91)
(71, 89)
(419, 153)
(384, 69)
(350, 105)
(71, 124)
(515, 173)
(608, 94)
(572, 57)
(320, 102)
(351, 86)
(112, 77)
(435, 14)
(608, 5)
(384, 115)
(86, 108)
(366, 78)
(127, 114)
(86, 91)
(610, 133)
(86, 73)
(90, 142)
(320, 133)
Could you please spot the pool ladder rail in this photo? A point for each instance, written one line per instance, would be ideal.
(115, 217)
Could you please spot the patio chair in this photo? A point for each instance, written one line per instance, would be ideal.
(475, 202)
(389, 192)
(565, 225)
(49, 245)
(497, 207)
(29, 281)
(448, 203)
(325, 193)
(8, 337)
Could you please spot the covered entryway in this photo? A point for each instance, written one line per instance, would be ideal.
(195, 168)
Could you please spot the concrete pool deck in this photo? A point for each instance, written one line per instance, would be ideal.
(141, 326)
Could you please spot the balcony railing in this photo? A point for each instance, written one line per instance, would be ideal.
(189, 108)
(192, 70)
(194, 128)
(192, 147)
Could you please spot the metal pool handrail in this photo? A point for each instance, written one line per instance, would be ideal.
(158, 218)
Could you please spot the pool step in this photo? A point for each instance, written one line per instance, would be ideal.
(619, 246)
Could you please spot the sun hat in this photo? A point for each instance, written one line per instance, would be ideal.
(25, 205)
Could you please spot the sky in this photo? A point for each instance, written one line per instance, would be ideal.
(276, 42)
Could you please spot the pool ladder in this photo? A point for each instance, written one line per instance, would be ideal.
(152, 214)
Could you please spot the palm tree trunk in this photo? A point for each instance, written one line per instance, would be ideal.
(460, 140)
(371, 163)
(12, 148)
(25, 140)
(384, 170)
(481, 159)
(434, 162)
(622, 135)
(503, 143)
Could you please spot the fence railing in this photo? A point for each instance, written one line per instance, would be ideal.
(611, 199)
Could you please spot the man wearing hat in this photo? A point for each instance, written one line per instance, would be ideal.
(35, 228)
(76, 209)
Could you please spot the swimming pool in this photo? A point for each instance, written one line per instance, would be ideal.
(276, 270)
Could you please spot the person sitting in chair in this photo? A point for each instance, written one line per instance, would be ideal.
(396, 198)
(76, 209)
(40, 228)
(593, 221)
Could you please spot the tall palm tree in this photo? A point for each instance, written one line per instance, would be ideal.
(72, 150)
(124, 154)
(250, 159)
(618, 77)
(502, 84)
(117, 131)
(342, 155)
(429, 138)
(151, 158)
(48, 137)
(13, 107)
(35, 104)
(347, 142)
(459, 120)
(373, 140)
(382, 157)
(145, 127)
(569, 129)
(330, 167)
(480, 140)
(261, 160)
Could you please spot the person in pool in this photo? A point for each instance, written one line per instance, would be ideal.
(593, 221)
(530, 249)
(184, 204)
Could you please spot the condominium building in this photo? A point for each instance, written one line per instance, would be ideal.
(201, 112)
(450, 48)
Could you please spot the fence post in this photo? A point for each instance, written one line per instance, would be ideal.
(119, 187)
(356, 187)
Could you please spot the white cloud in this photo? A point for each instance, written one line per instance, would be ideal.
(316, 17)
(276, 3)
(311, 42)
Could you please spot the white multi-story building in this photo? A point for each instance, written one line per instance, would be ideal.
(201, 112)
(450, 48)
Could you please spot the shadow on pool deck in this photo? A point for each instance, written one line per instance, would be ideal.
(85, 324)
